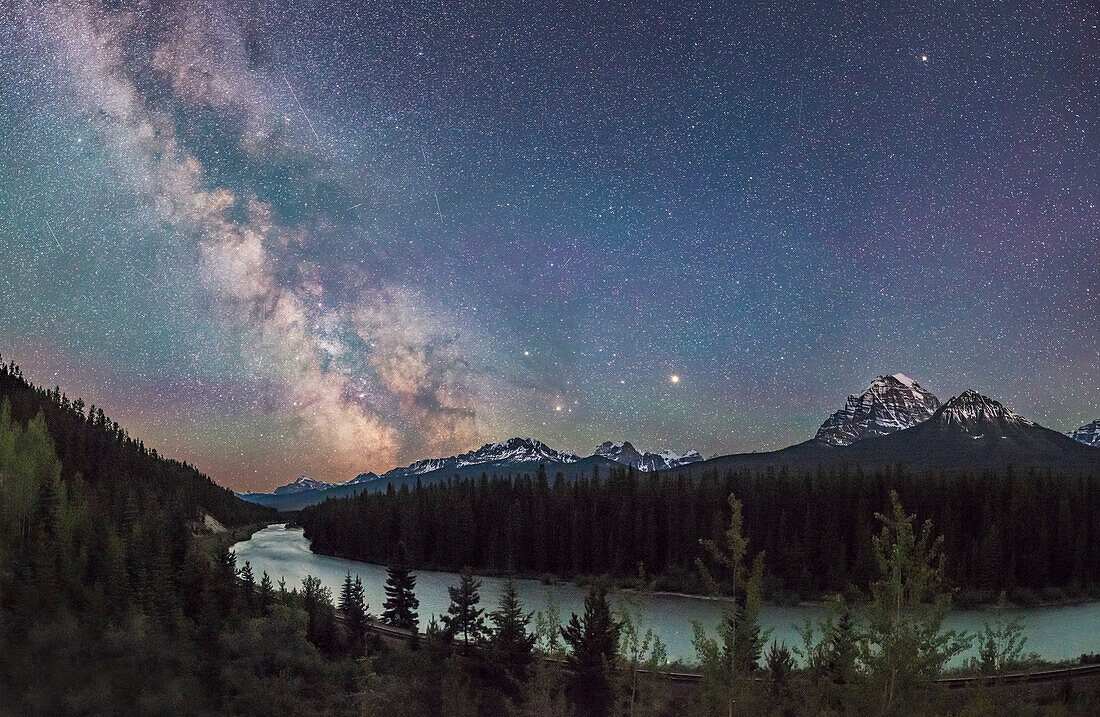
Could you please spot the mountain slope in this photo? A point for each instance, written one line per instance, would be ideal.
(1089, 434)
(886, 426)
(95, 451)
(511, 457)
(625, 453)
(890, 404)
(971, 432)
(303, 483)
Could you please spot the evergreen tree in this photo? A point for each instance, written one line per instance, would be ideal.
(464, 618)
(1000, 643)
(321, 623)
(266, 594)
(401, 604)
(355, 611)
(248, 585)
(512, 645)
(593, 640)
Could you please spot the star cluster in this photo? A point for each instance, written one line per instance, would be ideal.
(280, 237)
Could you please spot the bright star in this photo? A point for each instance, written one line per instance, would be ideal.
(924, 58)
(674, 378)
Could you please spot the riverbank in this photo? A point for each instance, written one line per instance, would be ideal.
(1057, 633)
(214, 540)
(967, 600)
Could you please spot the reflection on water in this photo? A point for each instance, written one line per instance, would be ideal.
(1055, 633)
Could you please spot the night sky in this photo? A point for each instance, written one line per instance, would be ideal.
(278, 238)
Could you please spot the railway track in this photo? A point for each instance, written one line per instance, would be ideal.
(1058, 674)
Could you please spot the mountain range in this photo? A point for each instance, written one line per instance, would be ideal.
(625, 453)
(893, 422)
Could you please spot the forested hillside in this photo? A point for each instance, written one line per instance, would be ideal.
(98, 456)
(110, 604)
(1036, 535)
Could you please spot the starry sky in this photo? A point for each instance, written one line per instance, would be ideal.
(278, 238)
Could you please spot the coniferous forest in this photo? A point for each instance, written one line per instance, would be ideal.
(1033, 535)
(119, 595)
(114, 596)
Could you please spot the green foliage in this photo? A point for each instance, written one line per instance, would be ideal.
(830, 650)
(1000, 643)
(108, 604)
(401, 604)
(270, 666)
(903, 643)
(593, 639)
(511, 645)
(354, 608)
(464, 618)
(548, 629)
(727, 660)
(640, 650)
(779, 663)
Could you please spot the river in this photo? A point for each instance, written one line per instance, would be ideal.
(1055, 633)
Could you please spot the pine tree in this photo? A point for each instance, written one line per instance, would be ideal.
(401, 604)
(355, 611)
(248, 584)
(266, 594)
(464, 618)
(594, 642)
(510, 642)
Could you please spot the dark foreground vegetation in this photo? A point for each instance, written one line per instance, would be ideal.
(114, 599)
(1033, 535)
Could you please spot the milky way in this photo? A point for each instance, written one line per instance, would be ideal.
(277, 238)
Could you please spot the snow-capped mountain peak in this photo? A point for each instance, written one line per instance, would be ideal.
(514, 450)
(1089, 434)
(891, 403)
(624, 452)
(971, 410)
(361, 478)
(302, 483)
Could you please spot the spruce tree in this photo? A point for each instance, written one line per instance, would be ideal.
(248, 584)
(726, 661)
(355, 611)
(266, 594)
(464, 618)
(510, 642)
(401, 604)
(594, 641)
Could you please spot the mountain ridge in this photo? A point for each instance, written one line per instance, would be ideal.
(891, 403)
(1089, 434)
(889, 428)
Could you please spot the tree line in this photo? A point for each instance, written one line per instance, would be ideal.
(605, 662)
(114, 601)
(1033, 534)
